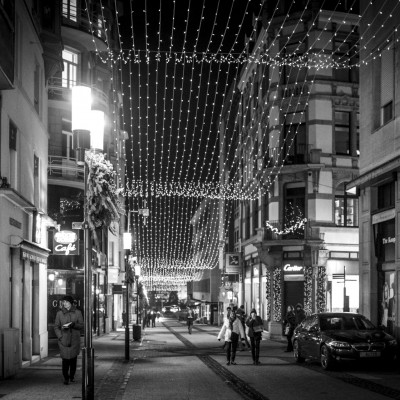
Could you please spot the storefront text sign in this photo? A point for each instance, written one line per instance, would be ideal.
(65, 243)
(388, 240)
(293, 269)
(384, 216)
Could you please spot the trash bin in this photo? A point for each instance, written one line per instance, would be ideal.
(136, 332)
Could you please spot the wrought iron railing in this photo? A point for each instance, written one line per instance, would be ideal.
(297, 154)
(60, 89)
(65, 168)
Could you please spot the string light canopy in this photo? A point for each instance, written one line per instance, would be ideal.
(187, 71)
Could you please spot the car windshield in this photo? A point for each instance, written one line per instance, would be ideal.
(345, 323)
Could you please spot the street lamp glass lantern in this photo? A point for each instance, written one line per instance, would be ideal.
(97, 130)
(137, 270)
(81, 108)
(127, 240)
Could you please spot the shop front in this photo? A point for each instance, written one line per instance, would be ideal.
(385, 243)
(293, 284)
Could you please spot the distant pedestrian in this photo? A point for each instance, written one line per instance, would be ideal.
(153, 319)
(158, 315)
(231, 331)
(241, 314)
(190, 319)
(144, 319)
(67, 326)
(299, 313)
(148, 319)
(289, 325)
(255, 324)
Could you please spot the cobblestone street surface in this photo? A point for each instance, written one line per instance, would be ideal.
(169, 363)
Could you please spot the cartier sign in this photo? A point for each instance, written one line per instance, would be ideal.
(65, 243)
(293, 269)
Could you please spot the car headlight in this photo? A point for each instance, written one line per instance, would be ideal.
(340, 345)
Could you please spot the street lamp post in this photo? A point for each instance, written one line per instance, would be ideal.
(86, 121)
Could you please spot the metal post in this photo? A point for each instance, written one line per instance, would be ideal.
(137, 300)
(127, 321)
(88, 351)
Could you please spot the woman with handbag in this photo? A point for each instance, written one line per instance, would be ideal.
(289, 325)
(255, 324)
(231, 331)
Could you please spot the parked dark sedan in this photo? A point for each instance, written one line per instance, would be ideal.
(331, 337)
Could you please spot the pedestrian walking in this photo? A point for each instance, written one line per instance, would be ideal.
(289, 325)
(241, 314)
(231, 331)
(228, 314)
(299, 313)
(67, 326)
(148, 319)
(255, 324)
(153, 319)
(189, 319)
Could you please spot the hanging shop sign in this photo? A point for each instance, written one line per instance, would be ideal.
(232, 263)
(293, 269)
(65, 243)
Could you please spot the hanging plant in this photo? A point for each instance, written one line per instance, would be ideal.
(103, 206)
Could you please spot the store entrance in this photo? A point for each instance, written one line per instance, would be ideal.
(294, 293)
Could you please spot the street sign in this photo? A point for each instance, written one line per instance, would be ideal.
(77, 225)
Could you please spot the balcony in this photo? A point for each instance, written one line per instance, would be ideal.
(85, 27)
(295, 90)
(307, 234)
(60, 89)
(65, 169)
(297, 154)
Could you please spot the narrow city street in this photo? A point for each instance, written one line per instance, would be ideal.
(169, 363)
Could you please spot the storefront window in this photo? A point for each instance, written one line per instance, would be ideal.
(385, 241)
(387, 309)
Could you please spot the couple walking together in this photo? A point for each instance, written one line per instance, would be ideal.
(233, 329)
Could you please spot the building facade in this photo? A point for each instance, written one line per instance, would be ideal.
(89, 34)
(296, 228)
(377, 184)
(47, 47)
(203, 289)
(23, 200)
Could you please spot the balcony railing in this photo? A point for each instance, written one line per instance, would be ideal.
(91, 22)
(295, 90)
(60, 89)
(65, 168)
(308, 232)
(297, 154)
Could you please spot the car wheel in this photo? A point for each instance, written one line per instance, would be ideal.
(326, 359)
(296, 352)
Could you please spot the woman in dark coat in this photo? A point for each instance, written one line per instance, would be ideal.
(255, 324)
(68, 326)
(290, 321)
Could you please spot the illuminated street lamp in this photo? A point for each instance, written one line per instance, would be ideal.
(87, 121)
